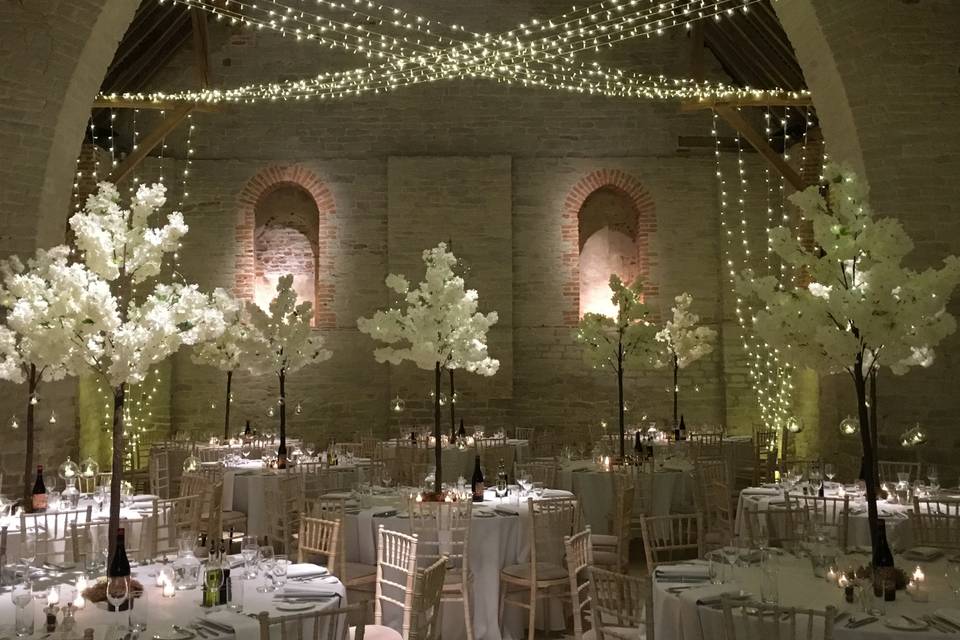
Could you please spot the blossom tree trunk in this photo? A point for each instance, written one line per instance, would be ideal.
(116, 468)
(226, 411)
(869, 453)
(282, 449)
(32, 383)
(437, 450)
(676, 388)
(453, 410)
(620, 396)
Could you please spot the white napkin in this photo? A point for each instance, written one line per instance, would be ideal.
(144, 497)
(556, 493)
(306, 570)
(309, 590)
(923, 553)
(690, 570)
(689, 607)
(761, 491)
(244, 628)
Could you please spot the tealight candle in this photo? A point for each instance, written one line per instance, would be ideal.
(918, 576)
(169, 590)
(419, 498)
(53, 597)
(844, 583)
(833, 576)
(79, 602)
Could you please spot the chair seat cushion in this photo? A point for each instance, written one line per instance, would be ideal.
(545, 571)
(600, 540)
(377, 632)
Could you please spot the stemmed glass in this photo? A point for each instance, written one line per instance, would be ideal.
(22, 598)
(525, 482)
(266, 566)
(28, 547)
(952, 575)
(99, 496)
(118, 592)
(933, 476)
(249, 550)
(385, 477)
(245, 450)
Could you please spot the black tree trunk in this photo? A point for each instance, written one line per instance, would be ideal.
(453, 409)
(226, 411)
(282, 450)
(676, 389)
(620, 396)
(116, 468)
(869, 454)
(437, 451)
(32, 383)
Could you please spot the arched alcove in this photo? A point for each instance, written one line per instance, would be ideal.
(285, 241)
(285, 225)
(608, 220)
(608, 244)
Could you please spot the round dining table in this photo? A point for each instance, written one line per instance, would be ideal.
(459, 462)
(690, 609)
(184, 609)
(498, 538)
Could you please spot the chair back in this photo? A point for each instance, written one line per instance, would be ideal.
(284, 504)
(442, 530)
(319, 537)
(889, 470)
(332, 509)
(427, 601)
(52, 531)
(396, 573)
(551, 520)
(939, 506)
(160, 472)
(174, 519)
(761, 621)
(617, 601)
(764, 455)
(579, 556)
(936, 530)
(541, 471)
(666, 536)
(829, 512)
(322, 624)
(524, 433)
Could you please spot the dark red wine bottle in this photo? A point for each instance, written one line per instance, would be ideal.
(39, 497)
(476, 482)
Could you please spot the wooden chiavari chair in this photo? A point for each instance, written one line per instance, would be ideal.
(160, 473)
(829, 512)
(324, 624)
(707, 445)
(522, 585)
(935, 530)
(442, 530)
(889, 470)
(354, 575)
(938, 506)
(318, 537)
(613, 550)
(353, 448)
(524, 433)
(579, 557)
(396, 574)
(664, 536)
(284, 505)
(713, 500)
(617, 603)
(51, 531)
(760, 621)
(544, 472)
(764, 458)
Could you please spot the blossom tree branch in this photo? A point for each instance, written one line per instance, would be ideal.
(684, 342)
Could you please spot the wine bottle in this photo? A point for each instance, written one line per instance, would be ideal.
(120, 568)
(820, 490)
(501, 479)
(39, 497)
(282, 456)
(413, 437)
(462, 433)
(637, 445)
(246, 430)
(683, 428)
(676, 432)
(476, 481)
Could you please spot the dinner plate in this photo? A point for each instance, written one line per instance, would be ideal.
(174, 636)
(484, 514)
(294, 606)
(902, 624)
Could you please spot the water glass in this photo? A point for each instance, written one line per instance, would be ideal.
(24, 615)
(870, 603)
(235, 592)
(769, 585)
(266, 567)
(139, 610)
(280, 565)
(249, 551)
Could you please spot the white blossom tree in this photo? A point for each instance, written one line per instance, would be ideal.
(440, 328)
(282, 343)
(228, 351)
(126, 322)
(684, 342)
(613, 342)
(862, 309)
(33, 348)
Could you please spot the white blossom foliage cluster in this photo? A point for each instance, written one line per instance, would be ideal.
(861, 304)
(630, 335)
(49, 304)
(440, 322)
(281, 341)
(681, 338)
(227, 351)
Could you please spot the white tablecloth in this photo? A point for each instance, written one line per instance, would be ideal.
(677, 616)
(459, 462)
(161, 612)
(673, 490)
(899, 531)
(495, 542)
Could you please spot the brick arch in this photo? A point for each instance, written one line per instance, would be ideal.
(643, 204)
(266, 181)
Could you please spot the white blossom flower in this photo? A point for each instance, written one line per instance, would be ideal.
(682, 338)
(630, 334)
(440, 324)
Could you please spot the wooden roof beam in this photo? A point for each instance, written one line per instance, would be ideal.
(149, 142)
(758, 142)
(750, 101)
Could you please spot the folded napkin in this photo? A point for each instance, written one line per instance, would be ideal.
(691, 570)
(761, 491)
(556, 493)
(307, 591)
(244, 628)
(235, 560)
(950, 615)
(144, 497)
(691, 599)
(507, 509)
(923, 553)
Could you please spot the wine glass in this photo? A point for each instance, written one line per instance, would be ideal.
(266, 566)
(246, 449)
(99, 495)
(249, 550)
(22, 598)
(28, 547)
(280, 564)
(118, 592)
(830, 470)
(933, 476)
(952, 575)
(385, 477)
(525, 482)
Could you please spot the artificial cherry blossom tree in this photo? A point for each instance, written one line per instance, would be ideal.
(684, 342)
(440, 328)
(33, 347)
(282, 343)
(227, 352)
(862, 309)
(124, 321)
(612, 342)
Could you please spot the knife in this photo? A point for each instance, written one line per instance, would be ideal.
(222, 628)
(860, 623)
